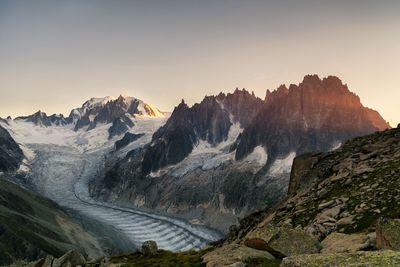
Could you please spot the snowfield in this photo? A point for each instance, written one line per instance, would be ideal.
(61, 162)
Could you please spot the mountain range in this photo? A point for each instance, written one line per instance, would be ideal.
(126, 164)
(231, 154)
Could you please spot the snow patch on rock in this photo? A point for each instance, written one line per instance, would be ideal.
(259, 156)
(283, 165)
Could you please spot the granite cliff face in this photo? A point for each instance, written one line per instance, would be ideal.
(312, 116)
(11, 154)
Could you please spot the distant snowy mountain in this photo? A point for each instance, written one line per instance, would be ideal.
(107, 109)
(41, 119)
(119, 112)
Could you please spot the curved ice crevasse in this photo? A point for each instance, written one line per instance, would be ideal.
(202, 234)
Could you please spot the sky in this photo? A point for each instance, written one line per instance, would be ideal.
(54, 55)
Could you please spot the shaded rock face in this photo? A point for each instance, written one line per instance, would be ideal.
(311, 116)
(41, 119)
(242, 105)
(127, 139)
(119, 126)
(208, 121)
(11, 154)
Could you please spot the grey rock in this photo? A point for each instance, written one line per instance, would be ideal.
(149, 248)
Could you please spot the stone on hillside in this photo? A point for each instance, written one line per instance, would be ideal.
(149, 248)
(368, 259)
(388, 234)
(71, 258)
(284, 241)
(260, 244)
(343, 243)
(233, 253)
(49, 261)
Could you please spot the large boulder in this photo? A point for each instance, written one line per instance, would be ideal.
(283, 241)
(388, 234)
(347, 243)
(365, 259)
(71, 258)
(149, 248)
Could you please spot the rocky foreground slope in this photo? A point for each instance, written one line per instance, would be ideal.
(231, 154)
(340, 205)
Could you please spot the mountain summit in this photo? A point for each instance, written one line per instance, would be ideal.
(108, 109)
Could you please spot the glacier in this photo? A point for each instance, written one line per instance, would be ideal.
(60, 163)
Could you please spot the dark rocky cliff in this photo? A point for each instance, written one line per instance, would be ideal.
(11, 154)
(311, 116)
(208, 121)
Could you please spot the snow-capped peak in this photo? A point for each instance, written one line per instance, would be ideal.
(98, 101)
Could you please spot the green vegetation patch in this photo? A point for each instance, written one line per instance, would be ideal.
(162, 259)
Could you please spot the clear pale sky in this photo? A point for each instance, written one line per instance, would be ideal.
(56, 54)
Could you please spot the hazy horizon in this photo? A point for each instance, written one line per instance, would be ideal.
(57, 54)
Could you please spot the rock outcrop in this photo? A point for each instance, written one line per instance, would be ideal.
(149, 248)
(127, 139)
(342, 200)
(11, 154)
(120, 126)
(283, 241)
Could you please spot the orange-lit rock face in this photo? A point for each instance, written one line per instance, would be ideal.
(309, 116)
